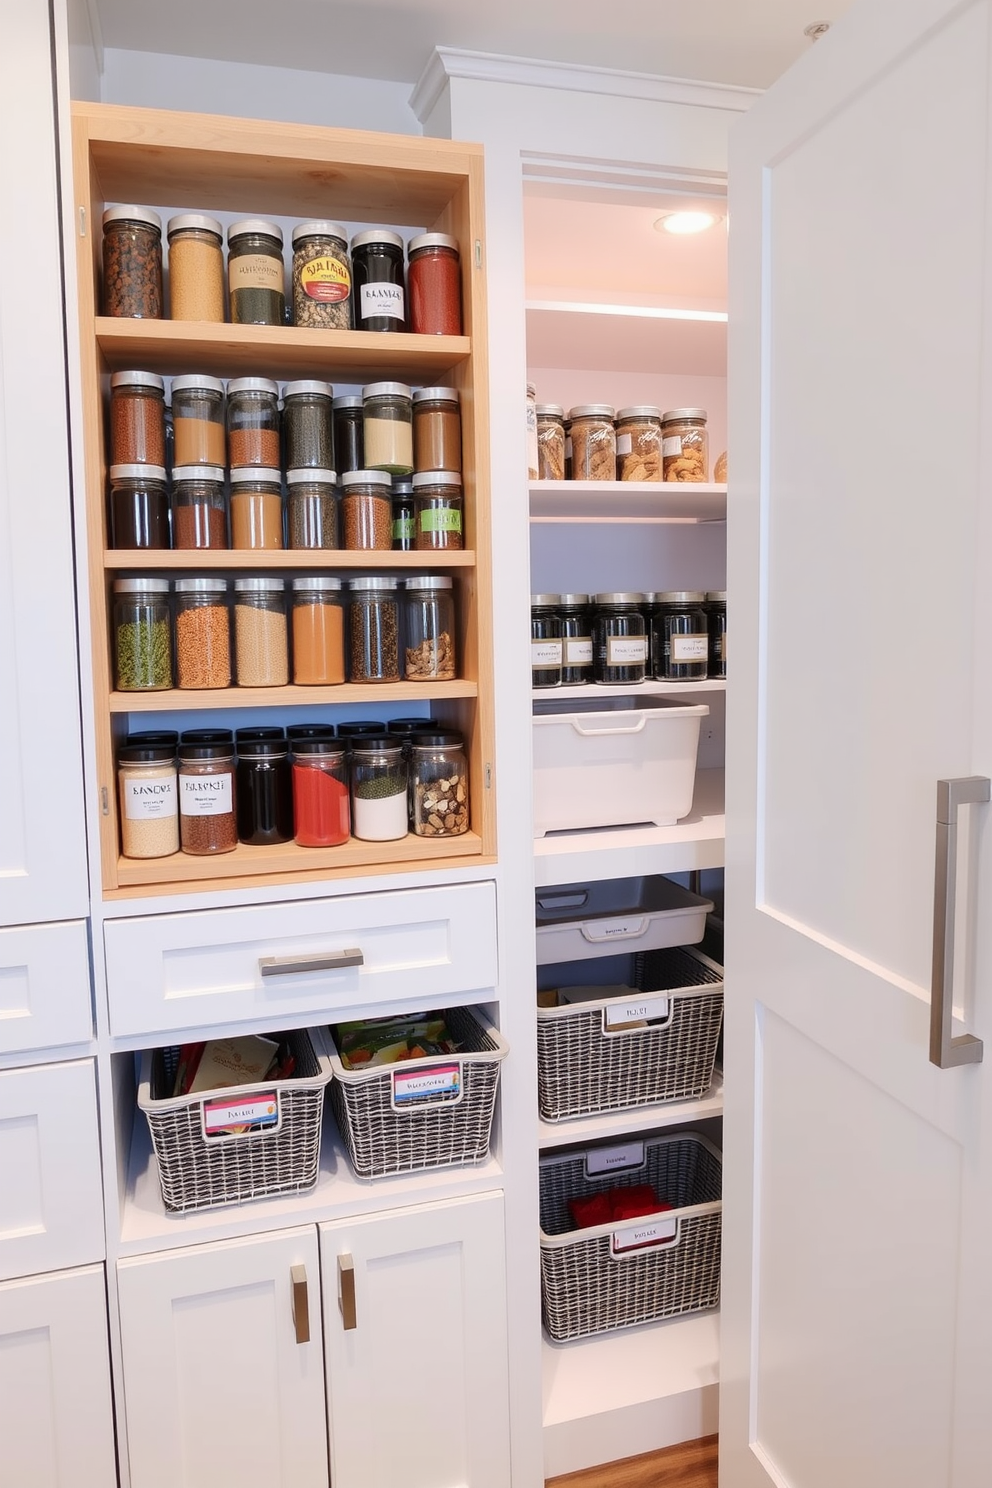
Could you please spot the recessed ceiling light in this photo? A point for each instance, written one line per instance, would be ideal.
(686, 222)
(816, 30)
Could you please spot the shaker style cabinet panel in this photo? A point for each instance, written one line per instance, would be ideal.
(223, 1368)
(415, 1344)
(56, 1408)
(42, 842)
(45, 997)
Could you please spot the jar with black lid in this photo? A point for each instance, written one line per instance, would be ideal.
(439, 785)
(264, 791)
(576, 630)
(360, 728)
(132, 263)
(349, 433)
(308, 431)
(139, 506)
(255, 274)
(620, 643)
(404, 522)
(716, 626)
(313, 509)
(373, 630)
(377, 266)
(550, 442)
(379, 806)
(546, 645)
(207, 822)
(149, 808)
(681, 640)
(322, 280)
(321, 799)
(137, 419)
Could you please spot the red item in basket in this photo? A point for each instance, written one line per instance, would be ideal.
(615, 1205)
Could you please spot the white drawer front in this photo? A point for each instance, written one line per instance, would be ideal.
(51, 1204)
(166, 973)
(44, 986)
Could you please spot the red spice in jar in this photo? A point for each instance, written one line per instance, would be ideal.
(320, 802)
(434, 286)
(199, 526)
(254, 447)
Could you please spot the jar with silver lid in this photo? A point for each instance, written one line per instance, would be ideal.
(198, 421)
(429, 649)
(387, 426)
(594, 442)
(373, 630)
(716, 626)
(639, 444)
(196, 268)
(322, 284)
(620, 642)
(685, 446)
(132, 262)
(377, 266)
(253, 423)
(308, 431)
(313, 508)
(199, 511)
(550, 442)
(545, 641)
(576, 631)
(137, 419)
(255, 273)
(142, 635)
(261, 632)
(680, 640)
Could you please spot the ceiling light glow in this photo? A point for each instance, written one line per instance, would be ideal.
(685, 222)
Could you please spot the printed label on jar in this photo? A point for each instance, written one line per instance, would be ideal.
(671, 445)
(545, 654)
(255, 271)
(206, 795)
(578, 650)
(381, 299)
(624, 444)
(325, 279)
(690, 647)
(441, 519)
(626, 650)
(150, 800)
(403, 529)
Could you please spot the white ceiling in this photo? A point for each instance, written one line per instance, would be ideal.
(748, 42)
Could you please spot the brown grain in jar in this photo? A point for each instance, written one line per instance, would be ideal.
(594, 444)
(437, 429)
(639, 444)
(203, 633)
(137, 419)
(366, 510)
(196, 268)
(207, 816)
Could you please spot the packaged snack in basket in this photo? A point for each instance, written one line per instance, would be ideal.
(377, 1041)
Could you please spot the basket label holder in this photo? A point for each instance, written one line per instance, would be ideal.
(422, 1089)
(225, 1116)
(654, 1233)
(637, 1015)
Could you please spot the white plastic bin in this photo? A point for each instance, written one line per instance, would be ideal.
(580, 921)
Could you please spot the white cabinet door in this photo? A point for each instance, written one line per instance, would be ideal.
(223, 1369)
(415, 1341)
(56, 1409)
(857, 1312)
(42, 836)
(45, 995)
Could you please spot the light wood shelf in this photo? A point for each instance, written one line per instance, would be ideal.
(307, 560)
(353, 693)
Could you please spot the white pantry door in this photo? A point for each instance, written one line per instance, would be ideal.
(857, 1309)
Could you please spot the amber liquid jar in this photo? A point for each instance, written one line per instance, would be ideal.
(256, 509)
(139, 506)
(199, 511)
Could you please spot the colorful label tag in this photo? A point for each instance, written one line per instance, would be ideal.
(441, 519)
(234, 1113)
(326, 280)
(403, 529)
(255, 271)
(440, 1080)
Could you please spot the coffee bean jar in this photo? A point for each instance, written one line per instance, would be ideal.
(132, 263)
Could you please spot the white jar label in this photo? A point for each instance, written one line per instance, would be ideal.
(609, 1159)
(624, 444)
(578, 650)
(651, 1232)
(206, 795)
(671, 445)
(626, 650)
(545, 653)
(623, 1014)
(381, 299)
(690, 647)
(150, 800)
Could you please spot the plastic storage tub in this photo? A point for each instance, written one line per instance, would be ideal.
(200, 1171)
(615, 761)
(665, 1265)
(616, 915)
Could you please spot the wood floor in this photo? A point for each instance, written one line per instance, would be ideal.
(692, 1465)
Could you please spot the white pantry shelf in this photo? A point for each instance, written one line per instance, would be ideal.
(627, 502)
(627, 338)
(632, 1120)
(648, 688)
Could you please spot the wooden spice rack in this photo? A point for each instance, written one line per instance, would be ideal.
(198, 162)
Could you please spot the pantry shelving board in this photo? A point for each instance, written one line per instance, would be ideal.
(629, 338)
(636, 690)
(624, 852)
(353, 693)
(631, 1120)
(305, 560)
(612, 502)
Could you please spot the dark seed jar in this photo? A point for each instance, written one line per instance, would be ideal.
(132, 263)
(255, 273)
(313, 508)
(349, 433)
(377, 266)
(545, 641)
(264, 791)
(620, 642)
(139, 506)
(681, 640)
(404, 520)
(716, 626)
(576, 631)
(322, 294)
(308, 431)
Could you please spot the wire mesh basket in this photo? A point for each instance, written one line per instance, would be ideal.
(659, 1266)
(203, 1163)
(424, 1113)
(610, 1054)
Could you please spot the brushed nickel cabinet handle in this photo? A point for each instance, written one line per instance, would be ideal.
(346, 1292)
(301, 1303)
(322, 961)
(947, 1051)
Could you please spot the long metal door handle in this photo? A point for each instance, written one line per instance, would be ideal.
(346, 1292)
(321, 961)
(947, 1051)
(301, 1303)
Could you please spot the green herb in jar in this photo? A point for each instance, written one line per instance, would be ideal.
(144, 659)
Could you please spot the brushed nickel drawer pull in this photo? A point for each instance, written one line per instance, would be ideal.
(946, 1050)
(301, 1303)
(346, 1292)
(322, 961)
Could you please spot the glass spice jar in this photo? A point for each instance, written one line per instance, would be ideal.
(680, 640)
(437, 498)
(139, 506)
(322, 277)
(349, 434)
(373, 631)
(639, 444)
(576, 631)
(439, 773)
(203, 633)
(387, 409)
(619, 639)
(142, 643)
(132, 263)
(198, 420)
(318, 631)
(366, 510)
(255, 272)
(313, 508)
(546, 646)
(253, 423)
(137, 419)
(437, 429)
(321, 799)
(531, 424)
(149, 803)
(685, 445)
(377, 266)
(196, 268)
(207, 820)
(261, 635)
(379, 789)
(264, 790)
(307, 428)
(404, 522)
(434, 283)
(256, 509)
(594, 443)
(429, 630)
(199, 511)
(550, 442)
(716, 626)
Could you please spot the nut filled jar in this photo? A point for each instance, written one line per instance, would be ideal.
(550, 442)
(322, 278)
(313, 508)
(576, 631)
(716, 626)
(404, 522)
(318, 631)
(198, 420)
(149, 802)
(255, 273)
(685, 445)
(142, 640)
(132, 263)
(261, 635)
(439, 785)
(207, 819)
(378, 789)
(388, 427)
(196, 268)
(203, 633)
(253, 423)
(137, 419)
(546, 645)
(308, 432)
(349, 433)
(264, 789)
(199, 511)
(437, 501)
(437, 429)
(321, 799)
(619, 639)
(377, 267)
(256, 509)
(373, 631)
(366, 510)
(680, 640)
(139, 506)
(434, 282)
(594, 443)
(639, 444)
(429, 632)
